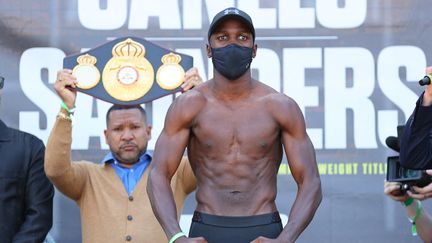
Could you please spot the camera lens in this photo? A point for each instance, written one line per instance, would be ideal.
(404, 188)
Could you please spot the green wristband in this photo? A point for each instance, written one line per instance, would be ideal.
(176, 236)
(417, 215)
(66, 108)
(408, 202)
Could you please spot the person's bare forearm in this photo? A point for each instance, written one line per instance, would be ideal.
(423, 223)
(304, 170)
(424, 226)
(303, 210)
(162, 202)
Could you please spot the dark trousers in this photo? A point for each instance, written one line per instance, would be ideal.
(225, 229)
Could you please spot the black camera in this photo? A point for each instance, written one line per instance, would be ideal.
(395, 171)
(407, 177)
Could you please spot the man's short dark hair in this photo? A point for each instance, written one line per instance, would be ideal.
(125, 107)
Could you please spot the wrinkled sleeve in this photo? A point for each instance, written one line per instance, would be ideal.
(39, 200)
(416, 141)
(68, 177)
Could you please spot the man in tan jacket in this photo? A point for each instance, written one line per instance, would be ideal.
(113, 203)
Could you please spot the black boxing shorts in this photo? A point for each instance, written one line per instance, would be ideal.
(227, 229)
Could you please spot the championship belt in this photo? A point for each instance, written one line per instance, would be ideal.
(128, 71)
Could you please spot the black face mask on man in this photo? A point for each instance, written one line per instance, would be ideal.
(232, 61)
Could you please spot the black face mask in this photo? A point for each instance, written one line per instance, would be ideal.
(232, 61)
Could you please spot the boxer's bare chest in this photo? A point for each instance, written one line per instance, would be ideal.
(235, 126)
